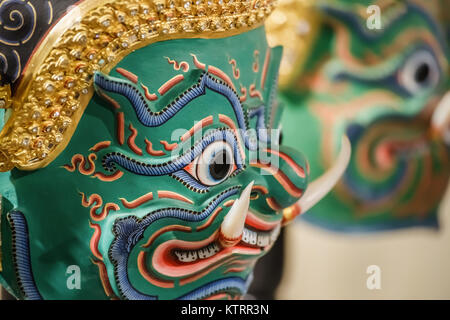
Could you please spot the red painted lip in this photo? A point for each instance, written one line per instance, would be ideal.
(236, 258)
(165, 261)
(260, 224)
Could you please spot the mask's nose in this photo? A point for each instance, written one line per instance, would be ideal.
(285, 172)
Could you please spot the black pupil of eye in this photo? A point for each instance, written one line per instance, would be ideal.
(422, 73)
(220, 165)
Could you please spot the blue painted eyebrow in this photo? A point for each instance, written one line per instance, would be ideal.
(146, 169)
(150, 118)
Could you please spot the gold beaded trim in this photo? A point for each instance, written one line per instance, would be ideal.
(96, 35)
(5, 96)
(1, 212)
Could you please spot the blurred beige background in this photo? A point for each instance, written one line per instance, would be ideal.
(415, 263)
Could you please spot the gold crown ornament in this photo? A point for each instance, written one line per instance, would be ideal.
(294, 25)
(52, 82)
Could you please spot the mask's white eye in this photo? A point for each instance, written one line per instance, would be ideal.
(214, 165)
(419, 72)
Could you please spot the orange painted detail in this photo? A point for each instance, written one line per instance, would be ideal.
(168, 146)
(236, 269)
(190, 169)
(131, 141)
(127, 74)
(100, 145)
(79, 162)
(95, 201)
(148, 95)
(214, 71)
(210, 219)
(258, 223)
(137, 202)
(177, 66)
(254, 196)
(228, 242)
(151, 151)
(84, 201)
(255, 93)
(255, 66)
(95, 240)
(170, 84)
(297, 169)
(281, 177)
(105, 279)
(120, 128)
(110, 100)
(243, 97)
(76, 159)
(243, 262)
(149, 277)
(197, 63)
(108, 178)
(104, 212)
(222, 75)
(273, 204)
(219, 296)
(174, 227)
(236, 71)
(229, 203)
(261, 189)
(265, 68)
(173, 195)
(198, 126)
(106, 209)
(227, 120)
(87, 171)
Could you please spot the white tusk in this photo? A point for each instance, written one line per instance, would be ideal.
(440, 120)
(233, 224)
(322, 185)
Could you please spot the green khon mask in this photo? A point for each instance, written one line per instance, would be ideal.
(173, 183)
(388, 90)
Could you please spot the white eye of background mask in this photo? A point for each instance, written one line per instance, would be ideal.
(419, 72)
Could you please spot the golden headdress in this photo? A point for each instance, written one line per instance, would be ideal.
(47, 99)
(293, 25)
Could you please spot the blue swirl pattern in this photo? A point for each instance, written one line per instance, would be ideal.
(130, 230)
(21, 256)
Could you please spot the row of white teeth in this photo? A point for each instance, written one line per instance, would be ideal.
(250, 237)
(194, 255)
(260, 238)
